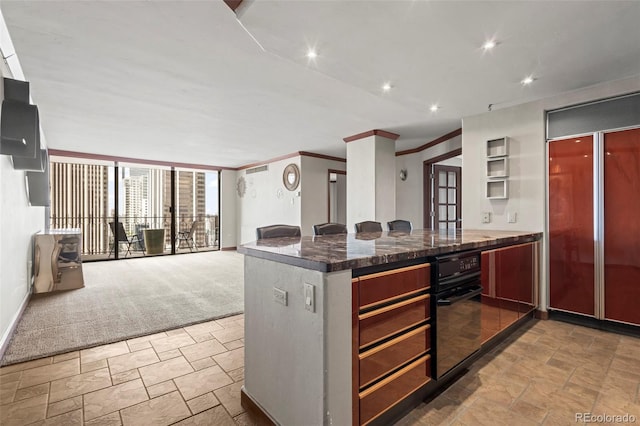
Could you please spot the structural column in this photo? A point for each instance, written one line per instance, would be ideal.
(371, 177)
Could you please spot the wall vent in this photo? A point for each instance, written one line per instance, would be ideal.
(258, 169)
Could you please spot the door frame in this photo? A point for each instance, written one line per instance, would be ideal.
(426, 185)
(329, 171)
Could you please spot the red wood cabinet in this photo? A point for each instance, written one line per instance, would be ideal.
(514, 273)
(391, 339)
(510, 281)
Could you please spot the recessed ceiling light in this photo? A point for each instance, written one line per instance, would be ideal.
(312, 54)
(489, 44)
(386, 86)
(527, 80)
(434, 107)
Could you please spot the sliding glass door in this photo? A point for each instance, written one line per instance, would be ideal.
(197, 218)
(83, 196)
(144, 209)
(131, 210)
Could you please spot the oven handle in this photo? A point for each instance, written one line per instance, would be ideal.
(460, 278)
(466, 296)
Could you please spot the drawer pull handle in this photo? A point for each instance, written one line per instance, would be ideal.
(392, 307)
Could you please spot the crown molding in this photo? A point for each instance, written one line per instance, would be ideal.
(374, 132)
(434, 142)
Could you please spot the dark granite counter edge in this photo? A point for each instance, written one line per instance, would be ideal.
(289, 260)
(366, 261)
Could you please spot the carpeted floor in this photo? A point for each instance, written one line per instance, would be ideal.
(130, 298)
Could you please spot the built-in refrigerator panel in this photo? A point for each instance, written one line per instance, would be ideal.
(621, 168)
(593, 208)
(571, 225)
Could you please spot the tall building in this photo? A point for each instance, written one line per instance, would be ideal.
(80, 199)
(190, 203)
(156, 199)
(135, 202)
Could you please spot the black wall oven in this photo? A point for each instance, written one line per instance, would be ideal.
(457, 293)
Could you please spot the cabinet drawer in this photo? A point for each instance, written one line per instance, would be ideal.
(381, 359)
(385, 394)
(384, 322)
(375, 288)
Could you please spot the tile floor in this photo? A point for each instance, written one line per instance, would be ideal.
(187, 376)
(543, 374)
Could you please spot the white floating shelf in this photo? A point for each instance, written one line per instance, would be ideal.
(497, 167)
(498, 147)
(497, 189)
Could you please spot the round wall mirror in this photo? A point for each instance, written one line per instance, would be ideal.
(291, 177)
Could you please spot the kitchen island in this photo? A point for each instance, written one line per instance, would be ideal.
(320, 314)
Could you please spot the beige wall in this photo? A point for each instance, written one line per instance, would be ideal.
(228, 223)
(263, 204)
(361, 182)
(18, 223)
(409, 193)
(268, 202)
(314, 186)
(371, 178)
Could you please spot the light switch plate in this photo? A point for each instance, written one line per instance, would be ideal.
(486, 217)
(512, 217)
(309, 297)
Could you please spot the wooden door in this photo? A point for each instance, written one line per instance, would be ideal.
(447, 214)
(571, 237)
(622, 225)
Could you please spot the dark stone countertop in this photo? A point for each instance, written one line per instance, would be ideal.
(329, 253)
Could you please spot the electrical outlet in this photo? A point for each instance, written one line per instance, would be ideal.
(309, 297)
(512, 217)
(280, 296)
(486, 217)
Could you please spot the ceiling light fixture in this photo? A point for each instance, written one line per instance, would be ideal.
(312, 54)
(527, 80)
(434, 108)
(386, 87)
(488, 45)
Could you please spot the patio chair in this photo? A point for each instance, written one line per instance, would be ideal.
(187, 237)
(121, 237)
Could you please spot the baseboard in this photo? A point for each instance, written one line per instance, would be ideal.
(259, 416)
(587, 321)
(234, 248)
(6, 337)
(542, 315)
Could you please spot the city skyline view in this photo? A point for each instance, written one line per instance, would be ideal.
(83, 196)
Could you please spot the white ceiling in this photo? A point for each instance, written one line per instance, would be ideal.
(183, 81)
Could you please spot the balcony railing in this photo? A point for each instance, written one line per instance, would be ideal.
(98, 238)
